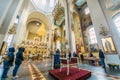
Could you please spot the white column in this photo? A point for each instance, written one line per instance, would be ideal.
(14, 17)
(50, 33)
(58, 45)
(68, 26)
(4, 6)
(73, 42)
(21, 26)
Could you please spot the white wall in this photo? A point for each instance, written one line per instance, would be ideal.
(113, 59)
(4, 6)
(99, 17)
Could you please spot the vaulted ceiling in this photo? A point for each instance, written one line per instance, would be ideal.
(46, 6)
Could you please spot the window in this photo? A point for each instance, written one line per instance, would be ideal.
(87, 11)
(16, 20)
(117, 21)
(9, 40)
(92, 36)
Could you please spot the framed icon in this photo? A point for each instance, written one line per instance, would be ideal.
(108, 45)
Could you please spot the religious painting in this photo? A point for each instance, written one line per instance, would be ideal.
(108, 45)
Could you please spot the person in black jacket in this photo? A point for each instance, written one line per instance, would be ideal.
(8, 61)
(91, 61)
(102, 57)
(18, 61)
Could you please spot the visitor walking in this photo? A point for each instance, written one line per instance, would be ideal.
(102, 57)
(18, 61)
(8, 61)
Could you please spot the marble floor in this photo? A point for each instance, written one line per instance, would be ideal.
(98, 73)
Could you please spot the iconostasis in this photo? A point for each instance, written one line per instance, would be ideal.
(35, 46)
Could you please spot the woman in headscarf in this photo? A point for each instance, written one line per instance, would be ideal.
(8, 61)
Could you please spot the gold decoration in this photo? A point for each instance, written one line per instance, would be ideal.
(12, 30)
(58, 13)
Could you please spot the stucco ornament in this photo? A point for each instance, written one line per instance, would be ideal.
(12, 30)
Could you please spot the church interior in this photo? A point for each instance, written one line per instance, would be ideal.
(62, 39)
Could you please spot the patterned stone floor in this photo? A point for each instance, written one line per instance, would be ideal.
(45, 65)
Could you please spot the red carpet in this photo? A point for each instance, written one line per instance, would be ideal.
(75, 74)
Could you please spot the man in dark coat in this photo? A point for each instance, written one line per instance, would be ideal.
(102, 57)
(18, 61)
(8, 61)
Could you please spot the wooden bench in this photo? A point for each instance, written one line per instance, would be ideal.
(87, 59)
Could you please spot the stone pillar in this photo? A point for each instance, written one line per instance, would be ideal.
(4, 7)
(21, 28)
(68, 26)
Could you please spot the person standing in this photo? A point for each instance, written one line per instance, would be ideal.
(102, 57)
(90, 55)
(57, 59)
(18, 61)
(8, 61)
(81, 57)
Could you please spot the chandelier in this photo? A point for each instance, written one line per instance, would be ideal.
(103, 31)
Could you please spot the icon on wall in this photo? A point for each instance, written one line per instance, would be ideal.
(108, 45)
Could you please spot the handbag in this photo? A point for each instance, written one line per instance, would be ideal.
(1, 60)
(6, 57)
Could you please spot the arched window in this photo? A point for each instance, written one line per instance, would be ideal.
(92, 36)
(9, 40)
(116, 21)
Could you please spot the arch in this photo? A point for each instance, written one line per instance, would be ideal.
(116, 13)
(38, 16)
(116, 20)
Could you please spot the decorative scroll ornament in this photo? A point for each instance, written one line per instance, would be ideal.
(12, 30)
(112, 4)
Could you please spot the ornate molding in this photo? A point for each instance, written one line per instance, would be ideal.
(12, 30)
(103, 31)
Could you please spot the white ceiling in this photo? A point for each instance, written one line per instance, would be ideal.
(46, 6)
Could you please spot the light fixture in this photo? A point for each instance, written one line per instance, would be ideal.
(37, 23)
(103, 30)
